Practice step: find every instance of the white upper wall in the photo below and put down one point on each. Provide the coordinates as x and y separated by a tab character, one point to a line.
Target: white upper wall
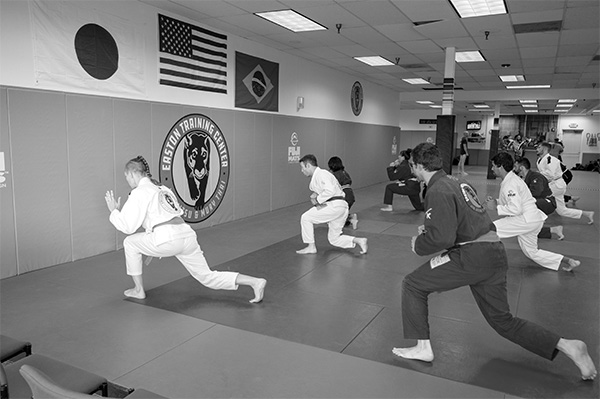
326	91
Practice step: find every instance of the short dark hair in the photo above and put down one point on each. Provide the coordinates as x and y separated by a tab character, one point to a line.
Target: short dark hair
546	145
428	155
335	164
310	159
523	162
406	153
505	160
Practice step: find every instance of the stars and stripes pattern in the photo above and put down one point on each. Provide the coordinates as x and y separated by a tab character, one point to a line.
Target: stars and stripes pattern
191	57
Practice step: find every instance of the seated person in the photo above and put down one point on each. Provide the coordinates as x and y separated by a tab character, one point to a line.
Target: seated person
405	183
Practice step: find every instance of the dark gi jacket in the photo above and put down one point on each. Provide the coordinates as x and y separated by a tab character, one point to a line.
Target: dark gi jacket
453	215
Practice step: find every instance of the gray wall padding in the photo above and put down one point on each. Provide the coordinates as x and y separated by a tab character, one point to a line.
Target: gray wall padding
63	151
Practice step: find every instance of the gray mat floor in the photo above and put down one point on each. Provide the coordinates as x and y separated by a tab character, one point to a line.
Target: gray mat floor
328	321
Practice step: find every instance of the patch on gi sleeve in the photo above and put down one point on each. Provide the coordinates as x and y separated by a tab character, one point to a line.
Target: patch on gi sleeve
470	197
511	193
439	260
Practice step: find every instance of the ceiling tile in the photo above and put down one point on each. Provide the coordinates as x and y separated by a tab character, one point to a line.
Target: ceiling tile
420	46
538	52
400	32
582	18
538	39
376	13
435	10
540	15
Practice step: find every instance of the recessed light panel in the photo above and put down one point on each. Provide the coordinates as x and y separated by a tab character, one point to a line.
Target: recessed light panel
567	101
469	56
374	61
425	102
528	101
291	20
478	8
529	87
416	81
512	78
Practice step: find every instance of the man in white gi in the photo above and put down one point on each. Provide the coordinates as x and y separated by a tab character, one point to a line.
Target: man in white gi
549	166
524	219
329	207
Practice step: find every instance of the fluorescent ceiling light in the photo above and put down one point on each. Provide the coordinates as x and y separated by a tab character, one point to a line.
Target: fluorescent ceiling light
435	106
529	105
529	87
564	105
478	8
291	20
561	110
481	105
374	61
512	78
528	101
595	111
531	110
469	56
567	101
425	102
416	81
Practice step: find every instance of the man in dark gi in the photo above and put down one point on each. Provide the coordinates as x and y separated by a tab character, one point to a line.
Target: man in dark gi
538	186
458	224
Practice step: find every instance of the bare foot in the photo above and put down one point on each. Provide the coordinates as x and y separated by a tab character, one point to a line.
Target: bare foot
259	290
577	351
414	353
572	265
362	243
558	230
590	215
387	208
134	293
311	249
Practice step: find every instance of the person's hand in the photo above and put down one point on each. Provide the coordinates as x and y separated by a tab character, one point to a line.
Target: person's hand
491	204
110	201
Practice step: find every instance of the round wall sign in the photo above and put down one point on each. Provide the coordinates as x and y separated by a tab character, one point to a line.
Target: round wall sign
356	98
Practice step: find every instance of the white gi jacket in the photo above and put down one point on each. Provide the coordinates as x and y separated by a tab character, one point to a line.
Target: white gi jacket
149	205
516	200
325	185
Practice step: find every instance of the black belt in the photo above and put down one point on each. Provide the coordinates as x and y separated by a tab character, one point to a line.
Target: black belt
335	198
176	220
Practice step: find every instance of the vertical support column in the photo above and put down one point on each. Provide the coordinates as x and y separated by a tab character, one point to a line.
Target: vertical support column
494	142
444	136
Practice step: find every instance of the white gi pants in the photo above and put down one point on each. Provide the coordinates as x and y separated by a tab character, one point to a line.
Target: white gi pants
334	214
526	233
185	249
559	188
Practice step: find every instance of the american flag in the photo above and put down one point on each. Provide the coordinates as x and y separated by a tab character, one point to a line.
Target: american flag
191	57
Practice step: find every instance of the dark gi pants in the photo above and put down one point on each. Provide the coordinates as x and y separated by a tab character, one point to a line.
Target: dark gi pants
411	188
482	266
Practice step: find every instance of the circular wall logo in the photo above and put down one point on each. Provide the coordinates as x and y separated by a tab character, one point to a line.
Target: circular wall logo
356	98
194	163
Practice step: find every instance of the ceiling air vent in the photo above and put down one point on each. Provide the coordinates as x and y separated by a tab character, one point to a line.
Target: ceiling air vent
548	26
415	66
417	23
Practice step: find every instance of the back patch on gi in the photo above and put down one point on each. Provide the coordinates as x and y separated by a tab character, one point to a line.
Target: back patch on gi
168	202
471	198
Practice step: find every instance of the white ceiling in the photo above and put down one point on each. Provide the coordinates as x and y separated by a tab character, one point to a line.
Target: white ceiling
567	58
